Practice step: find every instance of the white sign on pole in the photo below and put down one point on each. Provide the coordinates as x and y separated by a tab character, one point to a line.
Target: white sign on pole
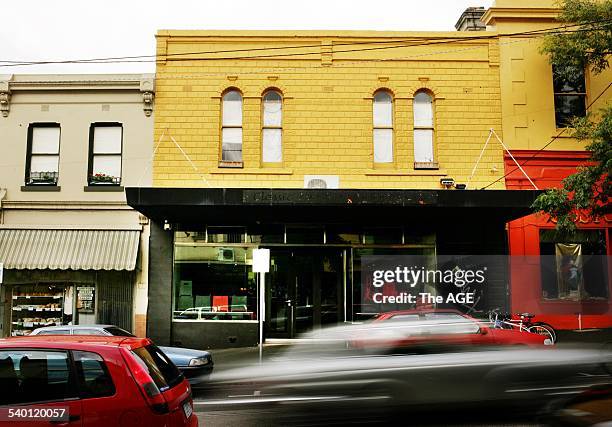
1	271
261	260
261	265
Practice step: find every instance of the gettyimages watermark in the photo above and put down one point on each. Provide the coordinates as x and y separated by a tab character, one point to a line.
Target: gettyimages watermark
406	281
397	282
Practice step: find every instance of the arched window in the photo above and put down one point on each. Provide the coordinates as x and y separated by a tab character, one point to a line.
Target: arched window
383	127
423	131
272	130
231	127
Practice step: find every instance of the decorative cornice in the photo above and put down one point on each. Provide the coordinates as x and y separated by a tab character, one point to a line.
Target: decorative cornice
5	97
14	83
524	13
147	88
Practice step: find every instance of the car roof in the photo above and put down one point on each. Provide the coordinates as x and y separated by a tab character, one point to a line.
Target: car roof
72	342
78	327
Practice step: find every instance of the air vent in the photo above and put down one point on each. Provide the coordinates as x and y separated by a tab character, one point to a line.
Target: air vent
226	254
321	181
317	183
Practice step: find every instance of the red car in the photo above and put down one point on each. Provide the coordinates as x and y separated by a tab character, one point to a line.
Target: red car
451	327
91	381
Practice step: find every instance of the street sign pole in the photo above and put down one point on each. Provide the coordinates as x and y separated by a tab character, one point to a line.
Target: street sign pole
261	265
262	311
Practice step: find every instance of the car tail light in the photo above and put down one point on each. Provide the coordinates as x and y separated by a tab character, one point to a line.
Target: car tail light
147	386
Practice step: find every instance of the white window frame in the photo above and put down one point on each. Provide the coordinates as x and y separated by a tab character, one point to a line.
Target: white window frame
228	126
91	175
34	177
420	164
267	127
378	127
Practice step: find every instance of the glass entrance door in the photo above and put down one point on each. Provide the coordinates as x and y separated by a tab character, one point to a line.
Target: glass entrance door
305	290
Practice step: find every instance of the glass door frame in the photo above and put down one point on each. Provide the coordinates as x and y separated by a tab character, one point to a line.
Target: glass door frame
292	281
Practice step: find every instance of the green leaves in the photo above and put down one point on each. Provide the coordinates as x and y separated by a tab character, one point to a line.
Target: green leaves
588	191
587	45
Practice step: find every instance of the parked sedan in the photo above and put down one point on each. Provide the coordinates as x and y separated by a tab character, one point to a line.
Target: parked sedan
196	365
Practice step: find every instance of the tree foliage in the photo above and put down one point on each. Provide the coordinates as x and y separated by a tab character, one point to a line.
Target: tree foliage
588	191
589	43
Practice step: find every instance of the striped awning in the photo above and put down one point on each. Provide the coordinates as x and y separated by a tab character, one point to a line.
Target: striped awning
23	249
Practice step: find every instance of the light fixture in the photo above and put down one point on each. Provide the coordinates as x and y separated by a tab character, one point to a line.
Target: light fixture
447	182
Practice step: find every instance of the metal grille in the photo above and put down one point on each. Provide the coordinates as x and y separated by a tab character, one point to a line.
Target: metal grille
115	298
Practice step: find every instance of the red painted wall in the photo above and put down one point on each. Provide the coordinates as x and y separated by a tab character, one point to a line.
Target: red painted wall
546	169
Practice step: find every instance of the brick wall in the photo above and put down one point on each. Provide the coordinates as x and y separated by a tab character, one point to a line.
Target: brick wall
327	106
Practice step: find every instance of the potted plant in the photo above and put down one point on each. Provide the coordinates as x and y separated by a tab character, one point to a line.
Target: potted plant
101	178
43	177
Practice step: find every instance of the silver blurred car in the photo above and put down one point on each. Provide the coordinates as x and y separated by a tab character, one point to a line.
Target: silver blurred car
327	377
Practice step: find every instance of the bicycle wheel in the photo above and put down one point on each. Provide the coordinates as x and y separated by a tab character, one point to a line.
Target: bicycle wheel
541	330
549	328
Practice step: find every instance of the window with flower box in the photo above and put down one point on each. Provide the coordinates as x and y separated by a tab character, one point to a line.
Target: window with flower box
42	162
105	150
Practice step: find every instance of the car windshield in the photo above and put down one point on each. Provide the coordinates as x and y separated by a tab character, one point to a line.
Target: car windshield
118	332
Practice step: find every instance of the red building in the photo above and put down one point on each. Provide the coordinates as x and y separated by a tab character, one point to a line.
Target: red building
564	280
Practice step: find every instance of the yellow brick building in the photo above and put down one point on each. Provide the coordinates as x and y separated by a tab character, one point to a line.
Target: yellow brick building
327	81
328	148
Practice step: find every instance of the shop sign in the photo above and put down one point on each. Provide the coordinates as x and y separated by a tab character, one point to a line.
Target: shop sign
86	299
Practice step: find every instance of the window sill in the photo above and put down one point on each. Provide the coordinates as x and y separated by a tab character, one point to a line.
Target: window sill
102	188
262	171
425	172
231	165
41	187
426	165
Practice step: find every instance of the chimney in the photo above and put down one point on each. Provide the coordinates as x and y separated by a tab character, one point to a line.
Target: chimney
470	20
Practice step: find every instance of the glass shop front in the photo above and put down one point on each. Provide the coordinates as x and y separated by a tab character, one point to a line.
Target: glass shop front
314	277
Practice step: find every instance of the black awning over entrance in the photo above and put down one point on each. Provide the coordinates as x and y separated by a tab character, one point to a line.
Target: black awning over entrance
249	205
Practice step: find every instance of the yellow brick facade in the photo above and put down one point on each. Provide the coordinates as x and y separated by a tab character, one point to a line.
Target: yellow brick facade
528	108
327	86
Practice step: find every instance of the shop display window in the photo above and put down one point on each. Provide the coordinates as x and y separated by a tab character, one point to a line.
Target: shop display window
213	283
574	267
35	306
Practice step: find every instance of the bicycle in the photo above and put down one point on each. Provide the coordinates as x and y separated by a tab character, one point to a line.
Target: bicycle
523	323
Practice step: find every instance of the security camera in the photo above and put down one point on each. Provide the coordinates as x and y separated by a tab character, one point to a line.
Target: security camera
447	182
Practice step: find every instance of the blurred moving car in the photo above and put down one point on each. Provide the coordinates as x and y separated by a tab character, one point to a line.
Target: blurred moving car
451	327
196	365
91	381
327	378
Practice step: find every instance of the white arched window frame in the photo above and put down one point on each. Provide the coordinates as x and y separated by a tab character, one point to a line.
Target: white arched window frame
382	111
424	131
231	127
272	127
